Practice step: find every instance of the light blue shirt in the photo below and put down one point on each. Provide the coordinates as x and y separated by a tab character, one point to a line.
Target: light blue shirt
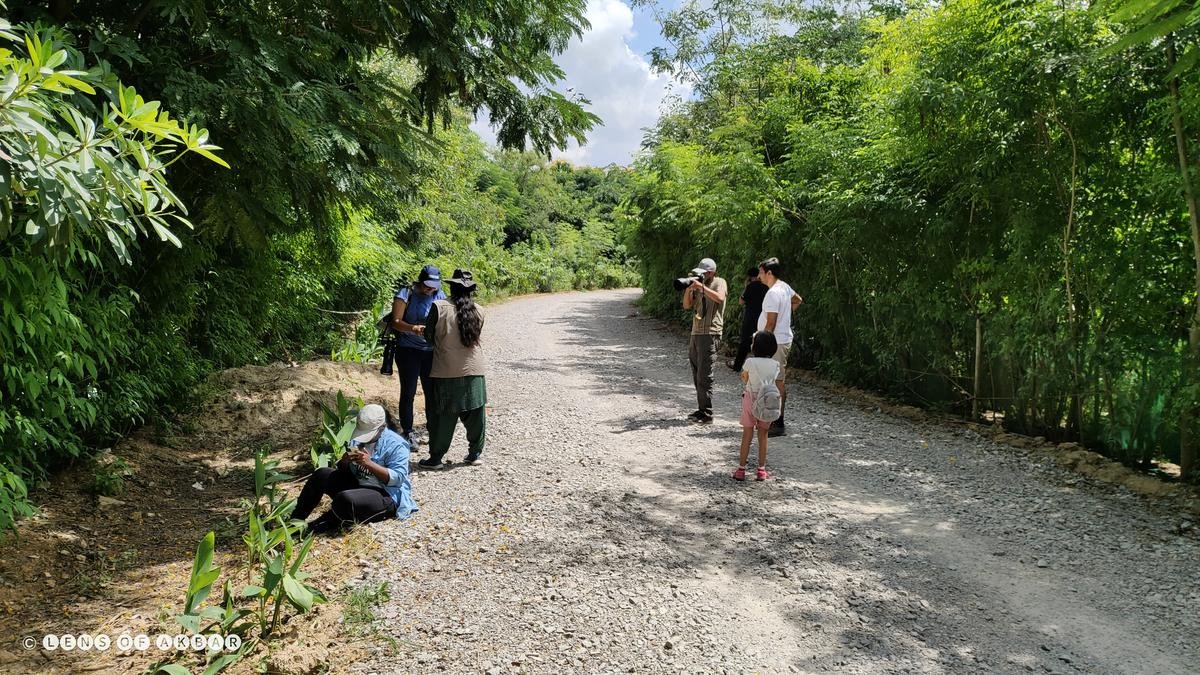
391	451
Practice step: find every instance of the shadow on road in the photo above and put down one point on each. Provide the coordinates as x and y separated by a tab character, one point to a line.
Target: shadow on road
827	571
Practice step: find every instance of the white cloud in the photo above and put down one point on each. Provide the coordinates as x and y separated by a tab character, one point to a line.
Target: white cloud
619	83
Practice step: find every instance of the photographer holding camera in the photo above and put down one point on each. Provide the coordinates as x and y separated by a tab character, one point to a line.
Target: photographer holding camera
704	292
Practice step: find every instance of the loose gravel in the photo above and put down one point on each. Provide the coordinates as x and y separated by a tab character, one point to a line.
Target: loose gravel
604	534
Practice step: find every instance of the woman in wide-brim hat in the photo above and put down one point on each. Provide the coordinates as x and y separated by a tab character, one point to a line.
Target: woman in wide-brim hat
458	388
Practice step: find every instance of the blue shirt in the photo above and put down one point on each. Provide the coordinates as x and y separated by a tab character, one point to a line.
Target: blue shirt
416	309
391	451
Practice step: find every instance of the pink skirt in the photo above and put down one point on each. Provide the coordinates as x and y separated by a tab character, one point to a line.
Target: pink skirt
748	420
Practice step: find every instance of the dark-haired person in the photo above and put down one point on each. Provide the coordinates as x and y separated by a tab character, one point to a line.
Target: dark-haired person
414	356
370	481
761	367
458	390
776	317
751	302
706	296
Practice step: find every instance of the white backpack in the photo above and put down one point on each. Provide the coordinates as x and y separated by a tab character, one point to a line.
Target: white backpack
767	405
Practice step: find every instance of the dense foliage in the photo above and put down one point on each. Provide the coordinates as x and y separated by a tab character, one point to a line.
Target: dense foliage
980	203
131	264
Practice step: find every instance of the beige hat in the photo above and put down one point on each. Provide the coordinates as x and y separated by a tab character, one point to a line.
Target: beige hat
371	420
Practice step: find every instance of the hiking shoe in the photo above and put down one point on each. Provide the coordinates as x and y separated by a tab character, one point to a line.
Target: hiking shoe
696	416
776	431
431	464
472	460
326	523
762	474
739	473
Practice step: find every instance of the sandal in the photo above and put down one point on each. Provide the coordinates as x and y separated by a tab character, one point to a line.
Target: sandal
762	474
740	473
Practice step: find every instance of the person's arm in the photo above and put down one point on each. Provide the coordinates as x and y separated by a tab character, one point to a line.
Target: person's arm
745	374
399	306
397	315
689	297
430	322
714	295
383	473
770	309
391	467
796	300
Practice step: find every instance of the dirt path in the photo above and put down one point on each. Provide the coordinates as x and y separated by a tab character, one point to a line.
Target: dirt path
604	534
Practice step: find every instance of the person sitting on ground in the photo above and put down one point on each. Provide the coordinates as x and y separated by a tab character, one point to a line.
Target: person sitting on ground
759	369
413	355
370	481
458	388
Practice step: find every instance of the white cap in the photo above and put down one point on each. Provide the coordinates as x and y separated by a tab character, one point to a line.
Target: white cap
708	265
371	420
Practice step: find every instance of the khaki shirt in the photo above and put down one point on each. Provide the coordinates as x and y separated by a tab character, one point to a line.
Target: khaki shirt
709	318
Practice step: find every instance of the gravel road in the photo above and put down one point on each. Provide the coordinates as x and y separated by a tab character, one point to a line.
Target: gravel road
605	535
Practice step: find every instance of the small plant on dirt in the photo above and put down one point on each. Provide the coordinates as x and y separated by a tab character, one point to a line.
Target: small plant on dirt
274	558
337	426
267	477
281	579
92	580
223	619
362	347
108	475
359	606
269	506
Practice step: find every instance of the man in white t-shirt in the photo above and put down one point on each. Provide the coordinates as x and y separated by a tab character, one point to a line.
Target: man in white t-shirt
776	317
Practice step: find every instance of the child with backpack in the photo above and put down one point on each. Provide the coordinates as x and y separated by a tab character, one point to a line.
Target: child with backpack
760	401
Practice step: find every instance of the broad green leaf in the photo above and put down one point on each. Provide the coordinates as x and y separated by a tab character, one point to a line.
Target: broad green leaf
297	594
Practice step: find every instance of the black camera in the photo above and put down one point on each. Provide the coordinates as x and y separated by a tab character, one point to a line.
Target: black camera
387	335
683	282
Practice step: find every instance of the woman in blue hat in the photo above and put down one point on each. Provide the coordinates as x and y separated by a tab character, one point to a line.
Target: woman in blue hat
414	356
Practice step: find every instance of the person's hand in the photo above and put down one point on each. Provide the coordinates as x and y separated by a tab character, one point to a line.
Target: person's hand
357	456
418	329
697	286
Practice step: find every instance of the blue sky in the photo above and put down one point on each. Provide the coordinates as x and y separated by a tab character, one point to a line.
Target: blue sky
609	66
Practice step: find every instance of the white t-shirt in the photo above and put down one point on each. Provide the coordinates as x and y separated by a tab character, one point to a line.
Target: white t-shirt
760	369
778	300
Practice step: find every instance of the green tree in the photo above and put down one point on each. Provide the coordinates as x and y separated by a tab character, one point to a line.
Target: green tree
1168	25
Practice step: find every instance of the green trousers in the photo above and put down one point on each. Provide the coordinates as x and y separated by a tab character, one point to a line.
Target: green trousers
440	426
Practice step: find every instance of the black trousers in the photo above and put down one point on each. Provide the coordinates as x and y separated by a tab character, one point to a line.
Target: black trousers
412	364
352	503
745	341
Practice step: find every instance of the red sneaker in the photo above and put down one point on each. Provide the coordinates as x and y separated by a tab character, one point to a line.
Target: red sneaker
740	473
762	474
